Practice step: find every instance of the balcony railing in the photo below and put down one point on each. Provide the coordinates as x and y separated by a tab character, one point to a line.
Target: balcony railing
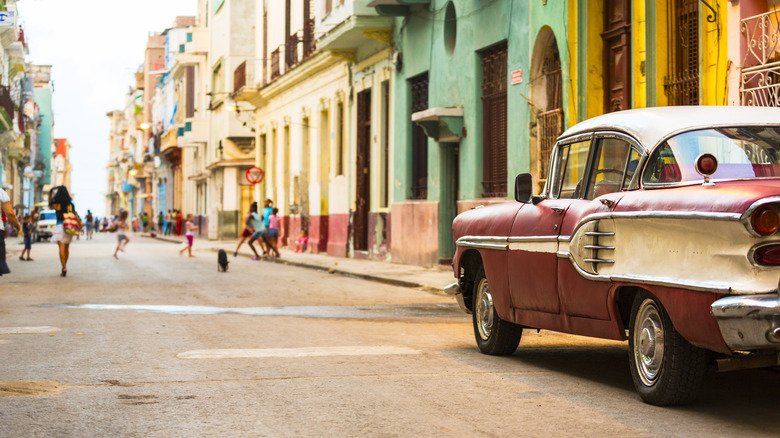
308	39
275	67
760	82
239	77
549	126
291	51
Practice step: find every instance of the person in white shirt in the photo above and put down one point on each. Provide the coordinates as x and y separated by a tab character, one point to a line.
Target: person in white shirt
8	216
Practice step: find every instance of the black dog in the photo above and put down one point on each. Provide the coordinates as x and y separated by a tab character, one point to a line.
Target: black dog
222	261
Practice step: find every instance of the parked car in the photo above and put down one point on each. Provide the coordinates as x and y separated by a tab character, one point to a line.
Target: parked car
43	226
657	226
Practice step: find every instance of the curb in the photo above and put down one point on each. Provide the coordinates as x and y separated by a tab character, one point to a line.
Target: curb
369	277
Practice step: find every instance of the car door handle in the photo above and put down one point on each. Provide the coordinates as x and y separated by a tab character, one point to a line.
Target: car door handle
608	202
557	210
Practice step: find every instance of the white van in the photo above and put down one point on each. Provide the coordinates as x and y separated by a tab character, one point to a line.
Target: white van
47	219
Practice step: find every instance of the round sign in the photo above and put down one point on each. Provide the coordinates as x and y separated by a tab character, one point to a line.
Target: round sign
255	175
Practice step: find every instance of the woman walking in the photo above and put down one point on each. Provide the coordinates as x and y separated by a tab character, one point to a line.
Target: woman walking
121	234
273	231
90	224
189	227
27	228
249	229
7	215
60	200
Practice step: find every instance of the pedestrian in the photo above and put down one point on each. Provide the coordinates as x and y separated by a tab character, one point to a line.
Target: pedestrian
273	231
121	234
249	229
104	226
189	228
145	221
160	222
60	200
267	210
168	223
90	222
260	233
7	215
178	222
27	227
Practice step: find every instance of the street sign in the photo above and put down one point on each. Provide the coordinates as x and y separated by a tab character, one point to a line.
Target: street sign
255	175
517	76
7	19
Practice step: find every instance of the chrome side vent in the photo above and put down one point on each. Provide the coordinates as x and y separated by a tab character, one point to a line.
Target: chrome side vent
602	248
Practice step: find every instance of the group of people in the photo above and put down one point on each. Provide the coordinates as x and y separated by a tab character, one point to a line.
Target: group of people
262	228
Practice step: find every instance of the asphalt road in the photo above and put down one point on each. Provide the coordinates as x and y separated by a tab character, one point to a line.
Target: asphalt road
155	344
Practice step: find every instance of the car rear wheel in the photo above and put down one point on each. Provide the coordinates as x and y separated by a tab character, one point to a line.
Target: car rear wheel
666	369
494	335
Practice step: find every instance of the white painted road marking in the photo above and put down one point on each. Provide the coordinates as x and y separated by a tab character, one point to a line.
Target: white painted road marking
295	352
27	330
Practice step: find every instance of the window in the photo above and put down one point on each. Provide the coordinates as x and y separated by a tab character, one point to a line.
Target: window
494	99
572	162
384	178
340	138
682	84
419	184
609	167
746	152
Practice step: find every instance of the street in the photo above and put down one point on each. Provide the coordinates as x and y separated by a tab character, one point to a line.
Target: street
157	344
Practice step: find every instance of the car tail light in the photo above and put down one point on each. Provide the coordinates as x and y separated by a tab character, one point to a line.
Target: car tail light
768	255
765	220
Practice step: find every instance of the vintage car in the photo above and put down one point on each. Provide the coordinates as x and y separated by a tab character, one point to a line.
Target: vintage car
655	225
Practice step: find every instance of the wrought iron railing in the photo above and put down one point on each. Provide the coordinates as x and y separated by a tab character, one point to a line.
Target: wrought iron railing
6	102
239	77
275	67
308	39
760	81
291	51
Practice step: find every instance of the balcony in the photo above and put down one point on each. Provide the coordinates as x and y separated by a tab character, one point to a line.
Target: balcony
275	67
247	78
352	29
196	47
760	81
395	8
6	109
193	131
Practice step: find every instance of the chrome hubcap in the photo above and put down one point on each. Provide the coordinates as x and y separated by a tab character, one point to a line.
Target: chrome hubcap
648	342
484	310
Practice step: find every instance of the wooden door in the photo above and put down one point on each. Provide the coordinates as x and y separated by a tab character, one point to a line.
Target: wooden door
617	55
363	171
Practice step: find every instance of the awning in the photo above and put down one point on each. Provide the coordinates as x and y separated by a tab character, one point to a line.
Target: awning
445	125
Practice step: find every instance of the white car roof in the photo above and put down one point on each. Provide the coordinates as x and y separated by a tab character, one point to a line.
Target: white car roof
651	125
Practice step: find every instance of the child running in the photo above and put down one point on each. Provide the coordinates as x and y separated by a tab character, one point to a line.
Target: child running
189	227
121	233
27	227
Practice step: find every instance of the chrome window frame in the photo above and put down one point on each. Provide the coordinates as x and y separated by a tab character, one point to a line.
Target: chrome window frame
592	137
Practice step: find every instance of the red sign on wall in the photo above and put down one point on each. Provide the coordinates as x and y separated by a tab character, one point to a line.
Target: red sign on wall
255	175
517	76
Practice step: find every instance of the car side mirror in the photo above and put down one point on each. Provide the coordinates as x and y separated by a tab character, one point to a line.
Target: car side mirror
523	188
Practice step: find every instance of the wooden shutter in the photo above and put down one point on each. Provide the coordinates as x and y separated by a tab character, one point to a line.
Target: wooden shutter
190	78
494	116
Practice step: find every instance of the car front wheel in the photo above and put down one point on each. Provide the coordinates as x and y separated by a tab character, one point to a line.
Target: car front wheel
494	335
666	369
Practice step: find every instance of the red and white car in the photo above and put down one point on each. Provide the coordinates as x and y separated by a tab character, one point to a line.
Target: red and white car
656	225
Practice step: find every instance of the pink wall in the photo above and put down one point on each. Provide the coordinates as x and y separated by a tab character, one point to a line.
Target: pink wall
338	234
415	233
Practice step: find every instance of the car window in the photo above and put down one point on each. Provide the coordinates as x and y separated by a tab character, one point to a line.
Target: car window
572	163
610	161
744	152
48	216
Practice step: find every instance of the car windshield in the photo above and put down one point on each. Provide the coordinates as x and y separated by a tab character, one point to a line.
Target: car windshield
48	216
742	153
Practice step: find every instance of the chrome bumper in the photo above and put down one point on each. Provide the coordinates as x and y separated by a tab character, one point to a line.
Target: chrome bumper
454	289
749	322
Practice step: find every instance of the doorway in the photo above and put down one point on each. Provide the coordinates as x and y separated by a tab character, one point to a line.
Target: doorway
363	171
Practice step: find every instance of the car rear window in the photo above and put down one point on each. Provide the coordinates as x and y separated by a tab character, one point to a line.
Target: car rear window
47	216
742	153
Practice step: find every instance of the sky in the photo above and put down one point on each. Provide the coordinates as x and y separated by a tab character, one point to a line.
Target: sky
94	48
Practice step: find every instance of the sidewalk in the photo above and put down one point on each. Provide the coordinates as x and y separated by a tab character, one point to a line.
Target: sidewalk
431	280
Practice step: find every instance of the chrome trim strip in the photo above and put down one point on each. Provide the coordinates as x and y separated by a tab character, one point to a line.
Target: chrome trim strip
563	255
598	233
520	239
598	261
586	274
696	287
484	242
470	244
597	247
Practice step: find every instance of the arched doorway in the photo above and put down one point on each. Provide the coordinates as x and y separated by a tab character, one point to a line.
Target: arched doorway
547	100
